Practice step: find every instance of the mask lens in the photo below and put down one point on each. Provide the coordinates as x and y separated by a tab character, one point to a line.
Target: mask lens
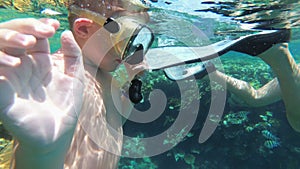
137	55
138	46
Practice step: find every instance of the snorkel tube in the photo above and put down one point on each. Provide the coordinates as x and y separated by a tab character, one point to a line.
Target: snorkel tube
135	89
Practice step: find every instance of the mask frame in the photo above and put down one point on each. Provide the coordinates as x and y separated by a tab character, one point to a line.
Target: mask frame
125	33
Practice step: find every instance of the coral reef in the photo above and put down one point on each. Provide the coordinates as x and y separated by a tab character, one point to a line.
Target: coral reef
134	147
5	137
33	5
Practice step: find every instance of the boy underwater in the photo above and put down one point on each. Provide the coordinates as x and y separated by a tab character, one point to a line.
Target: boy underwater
84	152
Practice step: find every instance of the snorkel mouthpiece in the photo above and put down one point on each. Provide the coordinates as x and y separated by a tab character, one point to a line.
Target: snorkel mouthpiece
135	91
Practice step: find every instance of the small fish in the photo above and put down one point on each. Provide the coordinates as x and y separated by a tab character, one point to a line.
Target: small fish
48	11
270	144
268	135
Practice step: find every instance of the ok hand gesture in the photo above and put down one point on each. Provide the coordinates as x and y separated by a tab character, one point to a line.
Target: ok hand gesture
39	101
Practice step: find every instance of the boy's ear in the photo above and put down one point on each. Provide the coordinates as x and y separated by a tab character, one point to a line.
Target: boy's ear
82	27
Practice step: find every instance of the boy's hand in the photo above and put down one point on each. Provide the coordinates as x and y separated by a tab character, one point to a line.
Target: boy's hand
39	104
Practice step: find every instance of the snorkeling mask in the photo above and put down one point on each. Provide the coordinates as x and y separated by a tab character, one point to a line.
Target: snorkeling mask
130	38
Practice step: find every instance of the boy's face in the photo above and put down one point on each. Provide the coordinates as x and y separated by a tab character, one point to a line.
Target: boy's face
99	50
98	46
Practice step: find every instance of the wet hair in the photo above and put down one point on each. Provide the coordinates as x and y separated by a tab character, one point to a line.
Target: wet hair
102	7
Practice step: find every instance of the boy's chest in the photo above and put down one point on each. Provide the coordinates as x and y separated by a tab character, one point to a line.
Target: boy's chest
110	96
112	103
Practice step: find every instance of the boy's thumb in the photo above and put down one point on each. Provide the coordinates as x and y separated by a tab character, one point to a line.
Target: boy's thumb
72	56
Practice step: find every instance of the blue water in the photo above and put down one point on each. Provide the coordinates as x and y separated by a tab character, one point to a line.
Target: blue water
238	142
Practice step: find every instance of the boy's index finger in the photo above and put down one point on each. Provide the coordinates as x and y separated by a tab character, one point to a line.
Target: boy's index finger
14	39
38	28
51	22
